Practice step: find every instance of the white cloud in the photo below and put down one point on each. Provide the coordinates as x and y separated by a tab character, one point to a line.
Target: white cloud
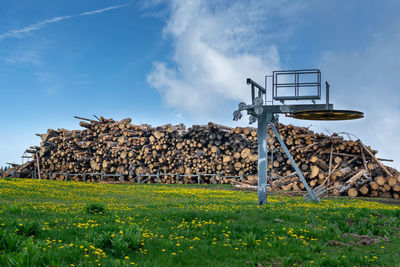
216	47
41	24
367	80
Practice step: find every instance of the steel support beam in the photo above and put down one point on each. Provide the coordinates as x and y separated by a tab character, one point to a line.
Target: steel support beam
310	193
262	131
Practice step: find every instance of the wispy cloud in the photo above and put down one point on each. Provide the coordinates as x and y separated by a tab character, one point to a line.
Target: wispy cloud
41	24
98	11
369	83
366	80
27	56
216	47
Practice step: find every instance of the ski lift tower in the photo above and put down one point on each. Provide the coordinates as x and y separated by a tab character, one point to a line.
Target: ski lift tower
287	85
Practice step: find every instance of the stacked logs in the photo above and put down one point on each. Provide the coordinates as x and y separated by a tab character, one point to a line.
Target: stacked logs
345	167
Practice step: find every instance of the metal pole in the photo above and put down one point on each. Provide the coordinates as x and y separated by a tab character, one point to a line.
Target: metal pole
262	158
252	93
272	156
198	178
38	167
267	173
327	95
310	193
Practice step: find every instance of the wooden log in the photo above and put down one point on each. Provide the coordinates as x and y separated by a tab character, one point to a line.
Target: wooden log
245	153
352	192
372	166
374	193
356	177
337	160
380	180
364	160
391	181
364	190
85	119
113	146
396	188
374	185
314	171
376	160
319	162
385	195
344	171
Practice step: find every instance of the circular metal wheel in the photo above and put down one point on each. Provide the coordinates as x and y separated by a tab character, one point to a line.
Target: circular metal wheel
258	101
258	110
327	115
242	105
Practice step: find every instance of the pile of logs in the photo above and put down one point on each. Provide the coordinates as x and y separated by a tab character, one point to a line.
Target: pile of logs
345	167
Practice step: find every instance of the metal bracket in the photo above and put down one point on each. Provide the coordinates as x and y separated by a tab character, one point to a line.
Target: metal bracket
278	136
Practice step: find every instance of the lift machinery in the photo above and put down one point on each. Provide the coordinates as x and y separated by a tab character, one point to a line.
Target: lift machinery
287	85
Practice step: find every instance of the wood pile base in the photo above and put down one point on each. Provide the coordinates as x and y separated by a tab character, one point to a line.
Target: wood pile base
345	167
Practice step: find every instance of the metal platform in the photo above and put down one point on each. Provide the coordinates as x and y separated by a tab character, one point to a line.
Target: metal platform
327	115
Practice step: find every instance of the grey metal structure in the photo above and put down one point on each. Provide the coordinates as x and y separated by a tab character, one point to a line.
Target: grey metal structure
294	81
267	115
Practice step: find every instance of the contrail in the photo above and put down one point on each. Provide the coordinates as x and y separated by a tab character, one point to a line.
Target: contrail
98	11
41	24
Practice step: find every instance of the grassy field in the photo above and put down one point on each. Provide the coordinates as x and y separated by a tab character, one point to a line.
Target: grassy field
51	223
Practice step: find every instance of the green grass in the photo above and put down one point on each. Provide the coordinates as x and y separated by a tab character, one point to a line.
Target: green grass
51	223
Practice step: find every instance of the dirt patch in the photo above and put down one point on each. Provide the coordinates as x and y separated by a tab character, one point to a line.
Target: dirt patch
359	240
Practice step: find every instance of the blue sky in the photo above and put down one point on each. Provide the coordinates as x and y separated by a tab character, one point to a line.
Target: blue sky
186	61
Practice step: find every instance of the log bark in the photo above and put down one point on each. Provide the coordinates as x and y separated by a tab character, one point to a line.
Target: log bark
109	146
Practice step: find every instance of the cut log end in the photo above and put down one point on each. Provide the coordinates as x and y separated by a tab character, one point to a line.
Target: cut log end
352	192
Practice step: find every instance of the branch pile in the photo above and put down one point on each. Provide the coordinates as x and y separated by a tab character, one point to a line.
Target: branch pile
346	167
